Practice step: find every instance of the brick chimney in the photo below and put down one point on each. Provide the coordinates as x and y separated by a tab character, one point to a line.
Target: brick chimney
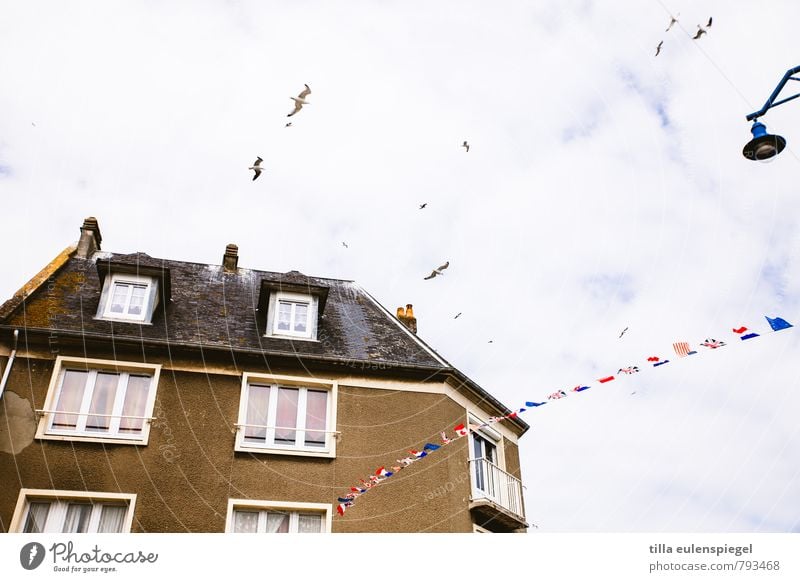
230	259
406	317
90	238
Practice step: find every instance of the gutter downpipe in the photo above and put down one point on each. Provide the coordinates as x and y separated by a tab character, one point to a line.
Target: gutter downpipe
10	362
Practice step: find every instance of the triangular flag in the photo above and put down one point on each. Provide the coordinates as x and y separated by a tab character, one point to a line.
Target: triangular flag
606	379
430	447
534	404
778	323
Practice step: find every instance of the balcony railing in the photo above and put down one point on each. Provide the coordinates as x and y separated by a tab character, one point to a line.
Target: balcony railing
490	482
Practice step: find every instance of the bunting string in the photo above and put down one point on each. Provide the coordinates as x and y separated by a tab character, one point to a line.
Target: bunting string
682	349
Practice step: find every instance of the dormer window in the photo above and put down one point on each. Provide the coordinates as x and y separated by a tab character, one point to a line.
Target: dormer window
294	314
128	297
292	308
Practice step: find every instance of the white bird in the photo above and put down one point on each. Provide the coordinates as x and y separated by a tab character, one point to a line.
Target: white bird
700	32
438	271
256	167
658	48
672	20
300	100
344	244
457	315
423	205
465	145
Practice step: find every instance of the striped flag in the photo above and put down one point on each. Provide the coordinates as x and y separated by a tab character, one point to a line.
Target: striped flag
683	349
445	440
746	336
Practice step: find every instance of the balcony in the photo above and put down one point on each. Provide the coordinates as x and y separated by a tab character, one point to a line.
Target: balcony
496	497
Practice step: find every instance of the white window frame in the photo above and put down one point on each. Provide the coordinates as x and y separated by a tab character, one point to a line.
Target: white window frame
293	507
45	431
61	498
273	315
274	380
496	439
150	297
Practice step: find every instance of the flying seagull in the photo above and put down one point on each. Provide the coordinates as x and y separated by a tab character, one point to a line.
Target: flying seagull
623	332
709	22
465	145
700	32
300	100
437	271
658	48
672	20
288	124
423	205
256	167
344	244
457	315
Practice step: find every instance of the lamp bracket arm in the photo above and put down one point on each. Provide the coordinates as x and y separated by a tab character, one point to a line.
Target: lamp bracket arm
771	101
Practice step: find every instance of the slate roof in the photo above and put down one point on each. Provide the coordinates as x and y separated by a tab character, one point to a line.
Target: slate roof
211	307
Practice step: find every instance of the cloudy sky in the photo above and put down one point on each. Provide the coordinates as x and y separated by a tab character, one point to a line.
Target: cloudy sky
604	189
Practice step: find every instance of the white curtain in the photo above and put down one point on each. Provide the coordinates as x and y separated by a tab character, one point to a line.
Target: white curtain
112	517
310	523
37	517
286	415
245	521
316	417
257	407
77	520
69	400
105	390
135	402
277	522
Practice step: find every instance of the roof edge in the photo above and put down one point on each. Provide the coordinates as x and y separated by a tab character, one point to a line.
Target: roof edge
7	308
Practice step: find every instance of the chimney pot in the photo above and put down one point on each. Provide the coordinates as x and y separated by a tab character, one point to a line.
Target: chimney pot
230	260
406	316
90	238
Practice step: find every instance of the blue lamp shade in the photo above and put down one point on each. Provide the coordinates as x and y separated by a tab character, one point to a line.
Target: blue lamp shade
763	146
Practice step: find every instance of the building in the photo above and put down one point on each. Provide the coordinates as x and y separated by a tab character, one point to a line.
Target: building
150	395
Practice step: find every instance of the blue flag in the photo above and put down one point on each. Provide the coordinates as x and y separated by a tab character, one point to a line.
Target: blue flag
532	404
778	323
430	447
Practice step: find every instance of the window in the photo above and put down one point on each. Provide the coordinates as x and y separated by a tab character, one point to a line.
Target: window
46	511
247	516
99	399
292	315
287	414
128	297
484	453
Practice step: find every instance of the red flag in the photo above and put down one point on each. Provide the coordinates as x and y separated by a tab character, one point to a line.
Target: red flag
460	430
606	379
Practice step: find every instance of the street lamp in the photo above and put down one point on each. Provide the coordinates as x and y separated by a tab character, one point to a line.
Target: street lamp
765	146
